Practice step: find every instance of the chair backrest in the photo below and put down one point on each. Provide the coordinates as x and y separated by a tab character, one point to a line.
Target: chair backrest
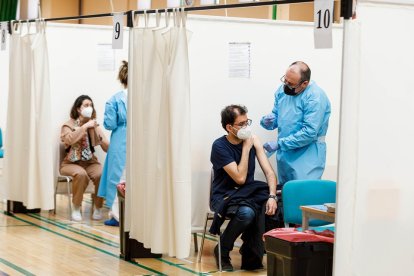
211	188
62	153
296	193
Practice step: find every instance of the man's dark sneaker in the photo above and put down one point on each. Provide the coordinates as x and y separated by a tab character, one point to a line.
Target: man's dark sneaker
225	261
251	262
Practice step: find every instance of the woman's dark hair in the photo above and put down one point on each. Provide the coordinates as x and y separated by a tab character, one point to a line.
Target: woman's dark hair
123	73
74	114
229	114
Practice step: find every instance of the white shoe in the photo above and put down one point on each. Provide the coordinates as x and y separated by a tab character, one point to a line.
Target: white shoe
97	214
76	215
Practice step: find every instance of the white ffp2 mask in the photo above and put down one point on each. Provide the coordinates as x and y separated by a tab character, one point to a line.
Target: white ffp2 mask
244	133
87	112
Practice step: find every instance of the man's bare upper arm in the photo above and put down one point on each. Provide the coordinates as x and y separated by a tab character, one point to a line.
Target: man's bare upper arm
232	170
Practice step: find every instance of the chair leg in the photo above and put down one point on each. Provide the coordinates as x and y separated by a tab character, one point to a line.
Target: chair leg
202	240
93	203
219	250
54	202
69	198
195	242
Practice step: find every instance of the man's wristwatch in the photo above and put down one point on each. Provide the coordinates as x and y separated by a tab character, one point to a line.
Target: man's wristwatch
273	196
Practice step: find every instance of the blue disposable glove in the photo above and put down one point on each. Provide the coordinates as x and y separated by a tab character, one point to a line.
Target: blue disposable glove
271	146
268	120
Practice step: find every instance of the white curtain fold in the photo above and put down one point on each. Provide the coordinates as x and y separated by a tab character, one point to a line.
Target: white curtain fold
158	204
375	214
28	161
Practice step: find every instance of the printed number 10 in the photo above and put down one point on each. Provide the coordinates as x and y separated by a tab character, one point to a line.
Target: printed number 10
326	18
117	30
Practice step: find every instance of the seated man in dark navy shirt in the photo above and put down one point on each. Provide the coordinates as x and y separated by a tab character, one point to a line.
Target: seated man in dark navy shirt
235	193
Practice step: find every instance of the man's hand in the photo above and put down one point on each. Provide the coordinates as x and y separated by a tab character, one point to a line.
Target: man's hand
271	146
268	120
248	143
271	206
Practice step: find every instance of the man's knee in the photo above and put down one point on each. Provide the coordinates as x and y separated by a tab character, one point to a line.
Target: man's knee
245	214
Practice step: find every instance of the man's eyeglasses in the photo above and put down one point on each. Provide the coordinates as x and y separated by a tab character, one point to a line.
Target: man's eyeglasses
245	123
282	79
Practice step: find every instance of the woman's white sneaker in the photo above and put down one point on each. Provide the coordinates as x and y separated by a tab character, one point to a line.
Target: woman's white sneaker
97	214
76	215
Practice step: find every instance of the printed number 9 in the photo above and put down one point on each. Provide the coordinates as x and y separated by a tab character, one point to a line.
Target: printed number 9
117	30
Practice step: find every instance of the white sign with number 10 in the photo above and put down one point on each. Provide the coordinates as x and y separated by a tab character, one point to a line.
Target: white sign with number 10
118	31
323	17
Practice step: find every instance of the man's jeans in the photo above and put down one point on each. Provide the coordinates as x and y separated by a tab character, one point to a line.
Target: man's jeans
237	225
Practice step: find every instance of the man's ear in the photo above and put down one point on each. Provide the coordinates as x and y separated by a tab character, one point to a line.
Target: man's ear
228	128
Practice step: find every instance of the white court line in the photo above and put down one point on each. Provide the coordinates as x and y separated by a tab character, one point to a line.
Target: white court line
101	231
186	261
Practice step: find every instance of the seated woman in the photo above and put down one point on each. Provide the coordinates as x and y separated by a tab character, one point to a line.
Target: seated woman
80	134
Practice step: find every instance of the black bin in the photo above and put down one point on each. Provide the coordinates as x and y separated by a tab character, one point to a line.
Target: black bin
286	258
130	248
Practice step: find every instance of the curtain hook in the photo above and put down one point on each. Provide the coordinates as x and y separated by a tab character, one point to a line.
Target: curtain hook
183	17
28	25
135	19
167	18
12	26
175	17
157	18
37	24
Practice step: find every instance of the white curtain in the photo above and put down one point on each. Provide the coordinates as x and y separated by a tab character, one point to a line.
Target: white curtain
28	161
158	195
375	215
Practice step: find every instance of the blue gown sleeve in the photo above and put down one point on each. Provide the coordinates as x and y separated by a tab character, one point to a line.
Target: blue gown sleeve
275	113
110	116
313	115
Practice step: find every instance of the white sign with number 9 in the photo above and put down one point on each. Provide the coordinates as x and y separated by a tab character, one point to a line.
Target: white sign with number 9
118	31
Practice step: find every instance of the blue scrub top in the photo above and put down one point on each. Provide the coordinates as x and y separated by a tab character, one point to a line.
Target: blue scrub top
302	122
115	119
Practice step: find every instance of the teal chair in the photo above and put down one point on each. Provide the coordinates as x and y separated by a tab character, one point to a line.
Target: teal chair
296	193
1	145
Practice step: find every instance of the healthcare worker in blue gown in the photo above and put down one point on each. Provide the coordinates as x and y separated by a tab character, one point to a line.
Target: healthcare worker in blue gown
301	114
115	119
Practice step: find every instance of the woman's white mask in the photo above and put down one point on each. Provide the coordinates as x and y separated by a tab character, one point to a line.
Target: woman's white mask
87	112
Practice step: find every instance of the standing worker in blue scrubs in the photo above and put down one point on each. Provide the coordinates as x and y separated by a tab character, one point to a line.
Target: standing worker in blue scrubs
115	119
301	114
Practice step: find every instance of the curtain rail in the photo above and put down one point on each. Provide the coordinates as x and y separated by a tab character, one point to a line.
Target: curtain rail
198	8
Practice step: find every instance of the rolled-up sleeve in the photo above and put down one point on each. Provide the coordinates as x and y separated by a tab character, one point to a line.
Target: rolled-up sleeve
68	136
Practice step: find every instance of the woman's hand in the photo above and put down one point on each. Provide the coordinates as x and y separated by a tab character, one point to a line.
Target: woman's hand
90	124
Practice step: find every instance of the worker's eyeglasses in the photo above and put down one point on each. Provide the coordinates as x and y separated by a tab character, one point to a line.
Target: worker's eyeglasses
245	123
282	79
